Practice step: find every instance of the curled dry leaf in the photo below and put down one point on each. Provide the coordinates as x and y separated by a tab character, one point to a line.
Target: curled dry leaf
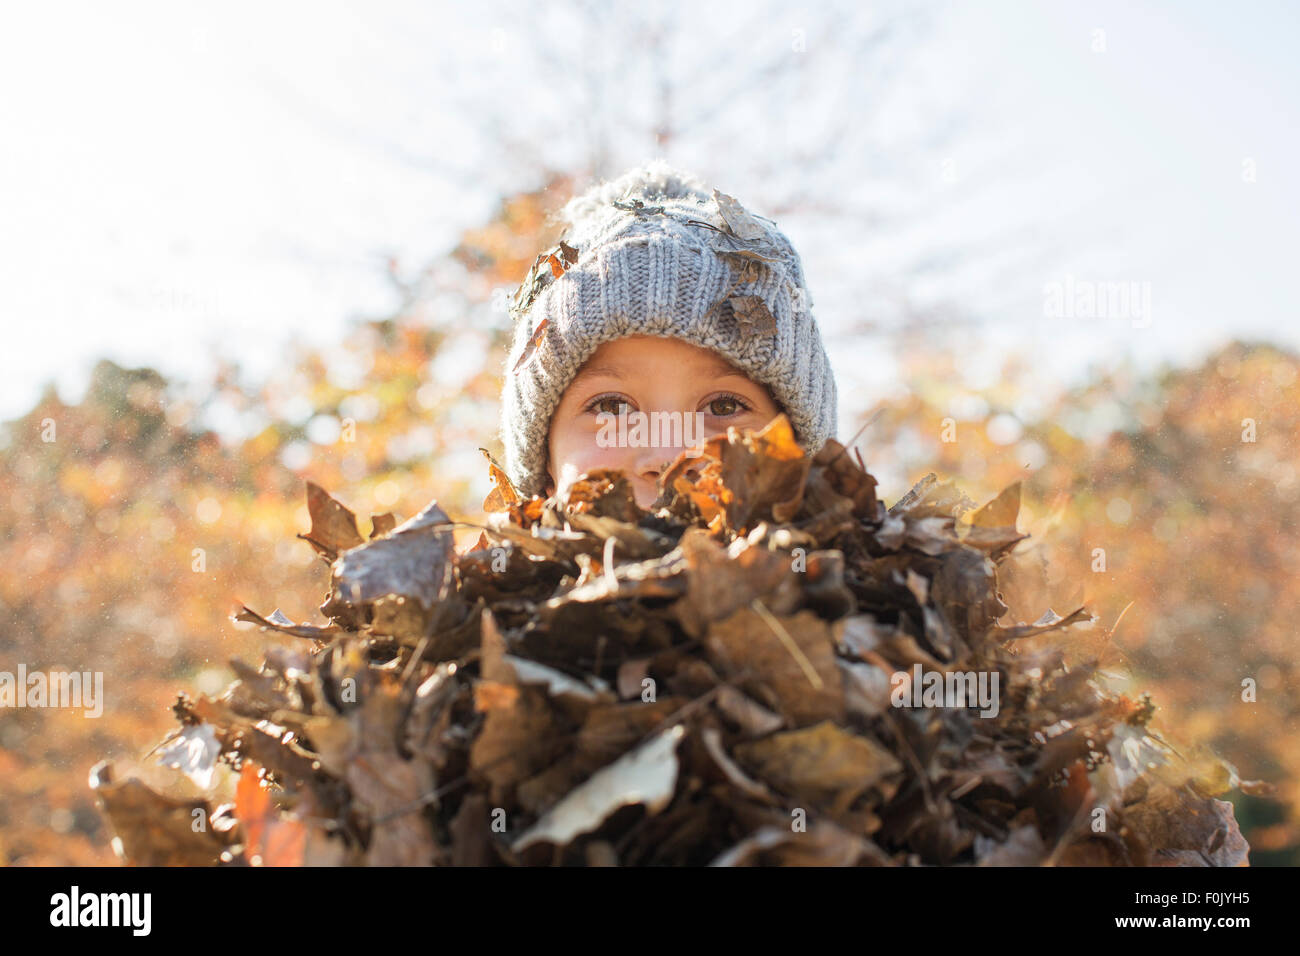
409	569
503	493
646	775
534	340
546	268
333	526
194	752
279	622
739	222
152	829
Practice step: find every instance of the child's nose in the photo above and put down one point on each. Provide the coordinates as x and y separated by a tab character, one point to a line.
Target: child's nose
650	464
650	470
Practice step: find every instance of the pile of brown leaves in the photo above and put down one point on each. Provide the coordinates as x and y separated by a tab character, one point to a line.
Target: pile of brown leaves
705	682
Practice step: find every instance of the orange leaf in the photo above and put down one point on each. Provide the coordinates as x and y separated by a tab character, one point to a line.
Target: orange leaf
533	342
503	494
490	695
269	840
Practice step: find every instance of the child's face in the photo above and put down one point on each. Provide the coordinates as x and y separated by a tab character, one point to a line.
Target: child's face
649	374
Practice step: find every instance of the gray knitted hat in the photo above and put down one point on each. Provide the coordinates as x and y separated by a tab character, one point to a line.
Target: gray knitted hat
656	252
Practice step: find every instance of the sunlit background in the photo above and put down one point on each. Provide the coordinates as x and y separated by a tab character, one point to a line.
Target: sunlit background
248	245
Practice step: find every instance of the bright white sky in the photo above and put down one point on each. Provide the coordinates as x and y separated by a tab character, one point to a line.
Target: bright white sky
177	182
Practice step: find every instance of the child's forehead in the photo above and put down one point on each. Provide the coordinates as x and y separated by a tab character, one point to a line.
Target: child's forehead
626	357
713	366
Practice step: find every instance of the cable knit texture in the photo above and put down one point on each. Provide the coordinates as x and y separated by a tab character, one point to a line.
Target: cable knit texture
658	254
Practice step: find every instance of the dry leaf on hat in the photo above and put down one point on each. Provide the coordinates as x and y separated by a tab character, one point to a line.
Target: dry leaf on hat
561	258
739	222
533	341
753	314
637	206
546	268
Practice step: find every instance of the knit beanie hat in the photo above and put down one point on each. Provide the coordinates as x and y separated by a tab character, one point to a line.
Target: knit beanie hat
656	252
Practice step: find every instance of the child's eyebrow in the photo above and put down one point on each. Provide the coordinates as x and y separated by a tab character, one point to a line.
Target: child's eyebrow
715	369
593	370
718	368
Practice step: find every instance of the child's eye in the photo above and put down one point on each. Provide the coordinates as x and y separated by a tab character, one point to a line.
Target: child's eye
612	404
726	405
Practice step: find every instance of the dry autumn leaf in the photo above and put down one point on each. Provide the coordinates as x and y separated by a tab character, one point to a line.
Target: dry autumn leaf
533	342
503	493
739	222
333	526
753	315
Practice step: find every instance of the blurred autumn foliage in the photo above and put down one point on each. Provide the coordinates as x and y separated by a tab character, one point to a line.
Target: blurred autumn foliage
131	531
